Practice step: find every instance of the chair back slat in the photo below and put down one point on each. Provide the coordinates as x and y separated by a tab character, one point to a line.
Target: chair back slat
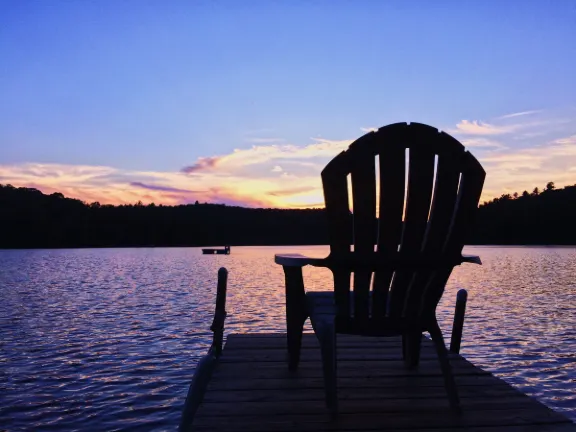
392	165
445	194
340	229
443	202
418	196
471	184
364	200
469	191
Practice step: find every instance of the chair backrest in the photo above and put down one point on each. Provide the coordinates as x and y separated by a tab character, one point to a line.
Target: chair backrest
429	188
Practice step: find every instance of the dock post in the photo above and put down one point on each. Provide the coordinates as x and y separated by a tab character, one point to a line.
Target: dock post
206	365
458	324
220	312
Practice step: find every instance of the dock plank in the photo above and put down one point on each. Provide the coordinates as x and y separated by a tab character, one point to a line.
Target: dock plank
358	393
380	421
251	389
360	368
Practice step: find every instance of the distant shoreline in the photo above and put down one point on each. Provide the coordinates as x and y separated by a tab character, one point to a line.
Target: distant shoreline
271	246
32	220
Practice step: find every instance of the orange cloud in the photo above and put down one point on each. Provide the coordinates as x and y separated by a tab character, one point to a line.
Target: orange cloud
292	191
109	185
287	175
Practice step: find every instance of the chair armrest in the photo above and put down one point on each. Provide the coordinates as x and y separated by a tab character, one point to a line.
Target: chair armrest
298	260
474	259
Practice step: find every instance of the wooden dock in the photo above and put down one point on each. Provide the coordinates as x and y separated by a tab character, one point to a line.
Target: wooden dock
251	389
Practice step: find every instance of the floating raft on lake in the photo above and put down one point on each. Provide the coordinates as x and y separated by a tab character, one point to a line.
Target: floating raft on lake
251	389
216	251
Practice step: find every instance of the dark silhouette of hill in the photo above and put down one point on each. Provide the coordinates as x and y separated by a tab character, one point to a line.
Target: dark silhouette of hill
546	217
31	219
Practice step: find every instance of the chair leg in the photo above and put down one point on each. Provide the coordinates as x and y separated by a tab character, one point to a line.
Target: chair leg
326	334
445	366
296	314
411	343
295	328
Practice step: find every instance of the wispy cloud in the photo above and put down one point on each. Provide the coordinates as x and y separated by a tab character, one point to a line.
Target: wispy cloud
522	150
257	140
288	175
481	142
268	154
368	129
160	188
291	191
201	164
501	125
476	127
247	176
515	170
109	185
519	114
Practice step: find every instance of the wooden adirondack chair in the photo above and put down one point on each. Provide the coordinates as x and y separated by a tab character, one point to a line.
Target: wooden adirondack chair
418	237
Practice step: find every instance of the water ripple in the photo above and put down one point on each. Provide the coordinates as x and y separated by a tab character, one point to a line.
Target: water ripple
108	339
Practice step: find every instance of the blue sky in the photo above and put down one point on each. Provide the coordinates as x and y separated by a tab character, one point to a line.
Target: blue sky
100	96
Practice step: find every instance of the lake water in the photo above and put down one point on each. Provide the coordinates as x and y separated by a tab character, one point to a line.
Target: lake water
107	339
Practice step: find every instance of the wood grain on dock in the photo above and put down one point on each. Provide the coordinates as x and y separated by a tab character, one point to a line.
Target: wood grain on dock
252	390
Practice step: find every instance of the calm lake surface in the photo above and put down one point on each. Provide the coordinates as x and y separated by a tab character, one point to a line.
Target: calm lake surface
107	339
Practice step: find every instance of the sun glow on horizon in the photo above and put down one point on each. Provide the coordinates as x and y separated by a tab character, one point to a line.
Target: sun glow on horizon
282	175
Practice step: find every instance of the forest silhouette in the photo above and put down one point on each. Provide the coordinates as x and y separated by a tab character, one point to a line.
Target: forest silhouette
31	219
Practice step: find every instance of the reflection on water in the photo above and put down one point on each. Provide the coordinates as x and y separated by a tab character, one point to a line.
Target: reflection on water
108	339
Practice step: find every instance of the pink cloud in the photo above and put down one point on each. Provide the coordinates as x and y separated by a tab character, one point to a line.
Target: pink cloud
159	188
288	176
202	164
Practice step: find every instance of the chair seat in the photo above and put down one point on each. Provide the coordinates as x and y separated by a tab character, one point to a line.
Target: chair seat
321	302
322	311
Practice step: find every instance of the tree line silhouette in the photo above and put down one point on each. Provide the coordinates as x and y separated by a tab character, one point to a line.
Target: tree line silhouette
31	219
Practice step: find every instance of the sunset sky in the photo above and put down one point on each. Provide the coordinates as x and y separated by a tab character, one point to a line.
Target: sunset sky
244	102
